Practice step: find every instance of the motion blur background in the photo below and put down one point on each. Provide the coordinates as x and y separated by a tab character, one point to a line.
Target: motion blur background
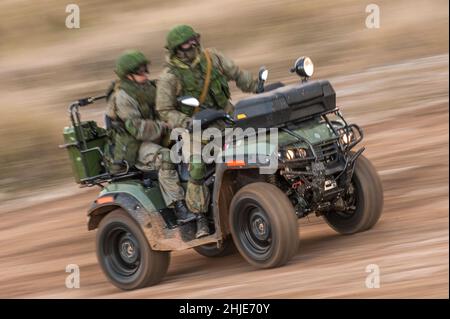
393	81
44	65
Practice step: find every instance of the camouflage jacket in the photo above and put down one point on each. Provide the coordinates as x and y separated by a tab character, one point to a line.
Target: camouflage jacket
170	85
132	123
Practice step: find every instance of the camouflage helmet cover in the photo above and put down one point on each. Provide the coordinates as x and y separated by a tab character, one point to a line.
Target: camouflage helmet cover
178	35
130	61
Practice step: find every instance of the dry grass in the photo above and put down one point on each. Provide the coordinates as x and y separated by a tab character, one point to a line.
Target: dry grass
30	152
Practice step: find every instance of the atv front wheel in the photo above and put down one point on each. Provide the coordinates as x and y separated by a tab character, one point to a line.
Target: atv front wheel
264	225
366	199
211	250
125	255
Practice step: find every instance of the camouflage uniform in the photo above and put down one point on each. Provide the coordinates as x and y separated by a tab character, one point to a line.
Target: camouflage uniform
181	78
147	133
171	86
137	132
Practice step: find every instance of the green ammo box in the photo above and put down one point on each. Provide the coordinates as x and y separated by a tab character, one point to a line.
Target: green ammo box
86	158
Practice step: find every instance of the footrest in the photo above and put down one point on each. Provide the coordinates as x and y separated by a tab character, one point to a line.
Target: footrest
169	217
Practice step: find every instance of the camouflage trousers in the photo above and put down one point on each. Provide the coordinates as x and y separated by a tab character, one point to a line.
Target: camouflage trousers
197	193
197	197
155	157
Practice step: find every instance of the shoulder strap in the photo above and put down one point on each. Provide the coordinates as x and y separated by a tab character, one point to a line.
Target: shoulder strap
207	78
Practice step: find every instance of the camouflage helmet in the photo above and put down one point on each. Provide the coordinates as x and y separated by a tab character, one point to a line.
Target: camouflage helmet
178	35
129	61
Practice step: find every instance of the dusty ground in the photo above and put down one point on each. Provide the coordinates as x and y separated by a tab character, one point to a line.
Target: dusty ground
403	108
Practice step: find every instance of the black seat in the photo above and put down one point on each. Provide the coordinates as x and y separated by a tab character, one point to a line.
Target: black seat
151	174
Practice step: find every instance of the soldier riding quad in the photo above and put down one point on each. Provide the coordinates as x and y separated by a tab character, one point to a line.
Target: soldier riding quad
318	171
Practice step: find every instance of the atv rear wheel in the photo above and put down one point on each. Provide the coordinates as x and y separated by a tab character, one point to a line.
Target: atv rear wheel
264	225
125	255
367	199
211	250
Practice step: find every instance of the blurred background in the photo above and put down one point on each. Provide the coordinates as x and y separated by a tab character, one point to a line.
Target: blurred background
44	65
392	80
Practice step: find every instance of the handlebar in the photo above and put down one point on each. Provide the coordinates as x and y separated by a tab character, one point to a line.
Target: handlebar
85	101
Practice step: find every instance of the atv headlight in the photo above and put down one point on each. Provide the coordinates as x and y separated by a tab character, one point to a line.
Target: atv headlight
290	154
303	66
294	153
301	152
344	137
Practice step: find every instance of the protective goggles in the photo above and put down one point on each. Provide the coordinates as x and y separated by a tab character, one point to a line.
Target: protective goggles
186	46
141	70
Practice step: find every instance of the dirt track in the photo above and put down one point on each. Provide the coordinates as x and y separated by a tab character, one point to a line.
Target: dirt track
404	111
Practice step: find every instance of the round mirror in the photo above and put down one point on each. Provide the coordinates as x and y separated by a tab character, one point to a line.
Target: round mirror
263	74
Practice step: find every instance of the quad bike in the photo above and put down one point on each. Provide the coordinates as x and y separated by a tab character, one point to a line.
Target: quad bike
319	171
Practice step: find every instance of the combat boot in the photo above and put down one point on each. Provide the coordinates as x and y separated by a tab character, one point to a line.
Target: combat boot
202	227
182	213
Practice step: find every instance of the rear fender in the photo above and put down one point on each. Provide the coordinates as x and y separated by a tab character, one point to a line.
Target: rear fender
151	222
144	205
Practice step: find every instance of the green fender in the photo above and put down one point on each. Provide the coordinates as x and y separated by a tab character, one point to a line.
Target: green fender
144	205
